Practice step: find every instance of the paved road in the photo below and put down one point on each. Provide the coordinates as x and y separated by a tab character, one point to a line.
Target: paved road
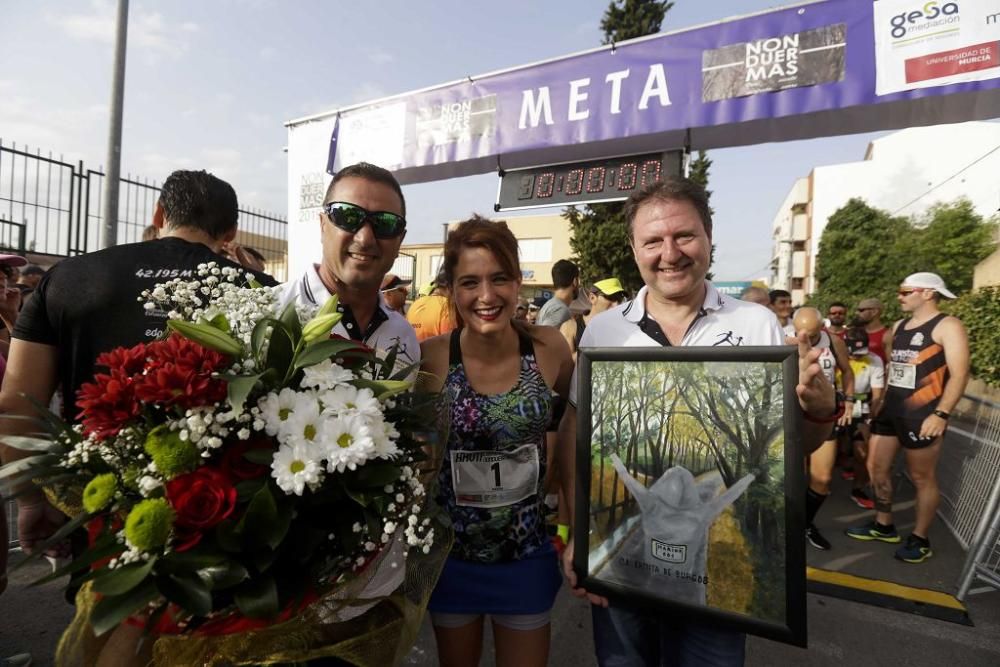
840	633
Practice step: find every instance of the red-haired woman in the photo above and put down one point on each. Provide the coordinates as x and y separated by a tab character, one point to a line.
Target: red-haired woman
502	378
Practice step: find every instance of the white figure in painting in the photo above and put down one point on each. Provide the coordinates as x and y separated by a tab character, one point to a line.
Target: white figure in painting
676	513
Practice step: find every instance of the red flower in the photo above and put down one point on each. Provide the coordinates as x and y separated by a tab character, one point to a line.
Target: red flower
235	464
128	360
107	404
179	372
201	500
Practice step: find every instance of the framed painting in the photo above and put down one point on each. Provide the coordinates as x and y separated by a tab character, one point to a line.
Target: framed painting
691	485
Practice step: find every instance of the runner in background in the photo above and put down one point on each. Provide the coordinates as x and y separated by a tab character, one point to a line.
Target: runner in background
836	317
869	385
603	294
870	314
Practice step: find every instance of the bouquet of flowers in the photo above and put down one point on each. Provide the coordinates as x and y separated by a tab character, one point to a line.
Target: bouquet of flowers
249	484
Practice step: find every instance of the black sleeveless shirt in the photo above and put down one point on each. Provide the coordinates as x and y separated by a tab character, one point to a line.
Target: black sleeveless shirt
917	371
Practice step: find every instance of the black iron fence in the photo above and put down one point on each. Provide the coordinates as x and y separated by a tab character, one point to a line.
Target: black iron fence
52	207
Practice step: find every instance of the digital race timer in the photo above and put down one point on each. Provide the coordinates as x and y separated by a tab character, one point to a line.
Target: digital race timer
584	182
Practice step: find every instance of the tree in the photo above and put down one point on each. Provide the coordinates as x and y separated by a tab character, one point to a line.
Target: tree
627	19
699	174
861	255
599	233
952	239
866	252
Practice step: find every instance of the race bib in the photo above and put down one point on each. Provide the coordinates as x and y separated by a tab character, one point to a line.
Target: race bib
494	479
903	376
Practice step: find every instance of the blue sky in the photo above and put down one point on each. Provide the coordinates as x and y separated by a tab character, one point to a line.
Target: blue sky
210	85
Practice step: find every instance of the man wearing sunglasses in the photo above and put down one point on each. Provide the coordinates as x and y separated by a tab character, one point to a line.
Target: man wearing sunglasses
870	314
927	373
362	224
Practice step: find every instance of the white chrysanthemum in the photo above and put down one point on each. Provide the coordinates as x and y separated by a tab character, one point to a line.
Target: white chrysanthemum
305	425
348	443
325	375
293	467
384	435
349	400
277	409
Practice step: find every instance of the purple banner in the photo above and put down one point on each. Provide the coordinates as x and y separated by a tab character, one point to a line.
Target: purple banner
785	74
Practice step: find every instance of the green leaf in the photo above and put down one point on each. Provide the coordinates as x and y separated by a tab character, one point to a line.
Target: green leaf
260	456
194	559
221	323
290	318
325	349
28	444
104	547
224	575
405	372
258	598
382	388
377	475
263	559
207	336
227	534
247	488
113	609
187	590
238	389
252	282
279	351
257	524
123	579
259	335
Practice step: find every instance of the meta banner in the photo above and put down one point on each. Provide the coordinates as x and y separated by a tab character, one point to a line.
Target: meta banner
922	44
779	75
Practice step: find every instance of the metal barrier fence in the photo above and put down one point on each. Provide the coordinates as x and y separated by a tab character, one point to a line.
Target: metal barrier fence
969	477
52	207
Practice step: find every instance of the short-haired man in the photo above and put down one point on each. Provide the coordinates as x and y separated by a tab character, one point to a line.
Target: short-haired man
394	291
89	304
870	314
670	231
836	315
566	281
30	276
362	224
755	294
781	305
927	374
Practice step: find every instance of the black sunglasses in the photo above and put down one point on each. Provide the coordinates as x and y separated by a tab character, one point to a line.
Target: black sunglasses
351	218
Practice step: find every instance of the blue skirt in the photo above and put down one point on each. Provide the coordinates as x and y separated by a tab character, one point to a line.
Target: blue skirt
526	586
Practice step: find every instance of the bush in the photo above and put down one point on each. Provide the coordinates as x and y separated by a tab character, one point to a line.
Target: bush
980	313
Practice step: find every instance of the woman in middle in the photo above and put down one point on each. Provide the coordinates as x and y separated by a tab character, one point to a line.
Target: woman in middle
501	378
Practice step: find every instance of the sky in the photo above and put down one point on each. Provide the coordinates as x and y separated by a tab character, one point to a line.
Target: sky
210	85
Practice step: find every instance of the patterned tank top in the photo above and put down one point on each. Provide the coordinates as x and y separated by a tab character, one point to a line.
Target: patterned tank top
917	371
496	423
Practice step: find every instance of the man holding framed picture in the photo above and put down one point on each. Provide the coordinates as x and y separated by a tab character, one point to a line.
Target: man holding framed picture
670	231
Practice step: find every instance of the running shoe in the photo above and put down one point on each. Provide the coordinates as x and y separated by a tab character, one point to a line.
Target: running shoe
862	499
816	538
873	531
915	550
847	474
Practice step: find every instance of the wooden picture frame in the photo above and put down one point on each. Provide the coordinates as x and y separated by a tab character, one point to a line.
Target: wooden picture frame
691	485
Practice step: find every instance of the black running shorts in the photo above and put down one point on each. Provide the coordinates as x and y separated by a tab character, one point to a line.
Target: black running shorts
907	431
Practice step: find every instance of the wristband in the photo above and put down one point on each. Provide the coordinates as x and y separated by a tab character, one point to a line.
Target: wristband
942	414
562	530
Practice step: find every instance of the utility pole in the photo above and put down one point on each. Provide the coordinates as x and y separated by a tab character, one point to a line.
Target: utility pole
113	165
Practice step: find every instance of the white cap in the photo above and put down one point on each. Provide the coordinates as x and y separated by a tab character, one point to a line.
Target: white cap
927	280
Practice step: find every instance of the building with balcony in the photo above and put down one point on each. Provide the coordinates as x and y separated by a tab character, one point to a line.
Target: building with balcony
904	173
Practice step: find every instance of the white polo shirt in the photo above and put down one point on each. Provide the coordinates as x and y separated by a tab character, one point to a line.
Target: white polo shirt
386	329
721	321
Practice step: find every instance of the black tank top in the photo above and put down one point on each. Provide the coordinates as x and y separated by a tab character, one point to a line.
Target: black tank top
580	326
917	371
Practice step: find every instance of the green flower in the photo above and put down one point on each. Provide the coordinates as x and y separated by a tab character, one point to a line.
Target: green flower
319	327
99	492
147	526
171	455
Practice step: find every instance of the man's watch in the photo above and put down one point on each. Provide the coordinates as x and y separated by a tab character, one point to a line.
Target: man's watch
942	414
838	412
